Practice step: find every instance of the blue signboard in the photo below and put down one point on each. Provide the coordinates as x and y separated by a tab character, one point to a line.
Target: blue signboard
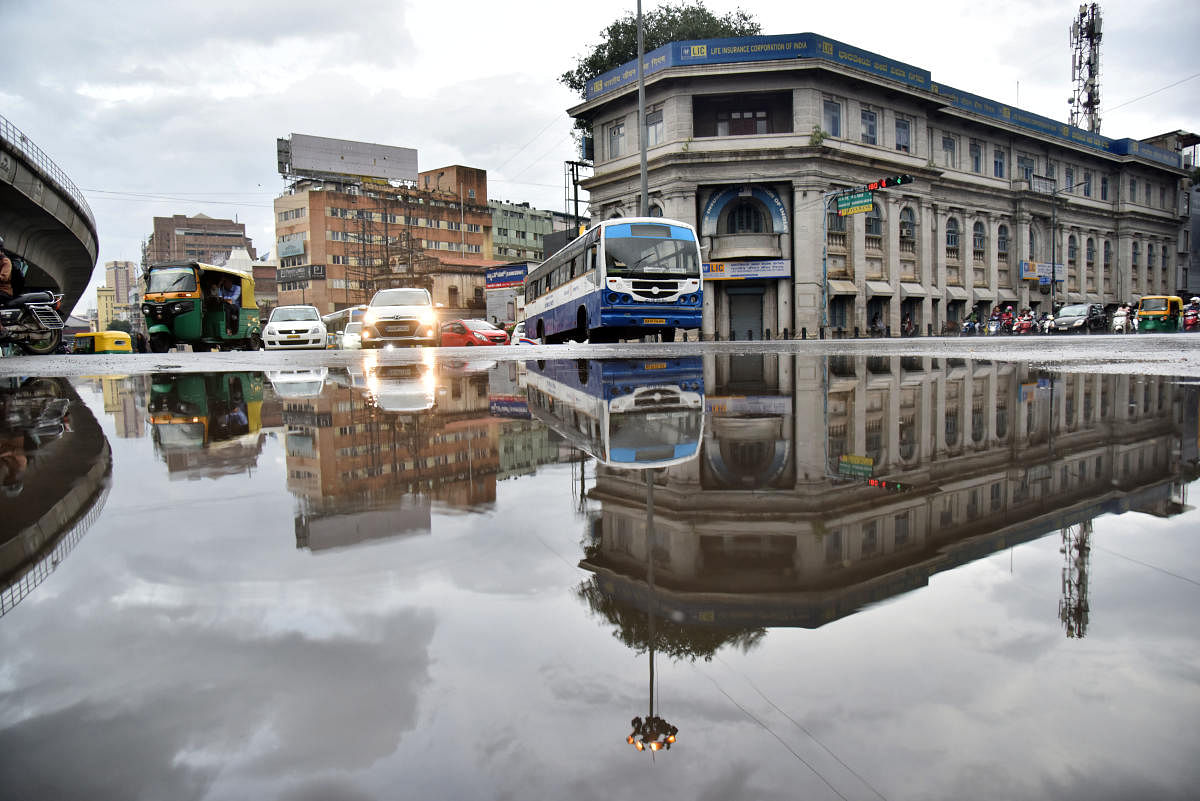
509	276
766	196
811	45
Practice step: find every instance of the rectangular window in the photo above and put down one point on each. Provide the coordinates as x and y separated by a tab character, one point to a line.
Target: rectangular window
903	136
1104	187
900	529
654	126
1162	197
832	117
616	139
1069	182
1026	166
998	163
742	114
869	129
976	157
1087	183
1148	201
950	152
1133	190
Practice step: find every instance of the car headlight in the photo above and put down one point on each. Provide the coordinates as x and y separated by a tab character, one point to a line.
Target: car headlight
269	330
428	317
369	317
316	329
1079	322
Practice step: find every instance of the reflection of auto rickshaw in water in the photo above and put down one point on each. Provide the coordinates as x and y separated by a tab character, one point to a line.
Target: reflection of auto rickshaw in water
183	305
103	342
1159	313
191	413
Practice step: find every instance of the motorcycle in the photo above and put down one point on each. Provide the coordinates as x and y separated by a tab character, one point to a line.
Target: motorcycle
1191	320
31	322
1025	325
970	328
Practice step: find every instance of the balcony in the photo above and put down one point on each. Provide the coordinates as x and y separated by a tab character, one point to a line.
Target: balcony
741	246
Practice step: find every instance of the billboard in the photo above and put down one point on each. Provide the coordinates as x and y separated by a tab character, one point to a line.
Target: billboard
302	154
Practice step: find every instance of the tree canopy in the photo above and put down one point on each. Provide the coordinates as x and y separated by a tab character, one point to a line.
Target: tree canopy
675	22
120	325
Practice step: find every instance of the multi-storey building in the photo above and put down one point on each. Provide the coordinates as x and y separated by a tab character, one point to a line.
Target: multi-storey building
106	307
199	238
121	277
823	486
749	140
518	230
341	239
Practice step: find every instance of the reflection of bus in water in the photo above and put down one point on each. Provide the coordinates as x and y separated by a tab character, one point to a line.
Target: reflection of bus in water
632	413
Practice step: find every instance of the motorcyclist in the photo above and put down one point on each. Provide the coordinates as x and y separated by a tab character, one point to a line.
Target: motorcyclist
6	275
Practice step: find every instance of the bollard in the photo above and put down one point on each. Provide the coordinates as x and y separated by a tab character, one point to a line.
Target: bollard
887	332
856	333
749	335
767	333
929	330
821	332
804	333
785	334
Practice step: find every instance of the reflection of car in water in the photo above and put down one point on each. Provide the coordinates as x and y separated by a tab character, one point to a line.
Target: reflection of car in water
633	413
207	423
306	383
396	387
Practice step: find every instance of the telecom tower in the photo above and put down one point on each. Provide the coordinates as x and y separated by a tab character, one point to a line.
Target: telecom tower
1085	68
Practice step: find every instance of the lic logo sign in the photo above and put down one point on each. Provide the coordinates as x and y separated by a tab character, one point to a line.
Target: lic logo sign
698	51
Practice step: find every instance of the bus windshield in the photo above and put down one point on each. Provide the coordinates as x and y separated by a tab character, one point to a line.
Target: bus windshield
172	279
650	437
646	252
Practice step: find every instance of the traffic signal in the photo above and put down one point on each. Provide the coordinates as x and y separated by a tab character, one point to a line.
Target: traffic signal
889	182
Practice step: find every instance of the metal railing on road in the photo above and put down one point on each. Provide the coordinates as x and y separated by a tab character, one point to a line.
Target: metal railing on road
38	159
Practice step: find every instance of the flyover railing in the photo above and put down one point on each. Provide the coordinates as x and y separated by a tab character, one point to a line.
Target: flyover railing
38	159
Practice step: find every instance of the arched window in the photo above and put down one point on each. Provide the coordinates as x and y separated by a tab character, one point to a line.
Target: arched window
656	210
1091	253
952	236
1072	249
1002	243
1137	252
745	218
1107	255
1032	244
834	222
1150	256
908	224
978	240
874	222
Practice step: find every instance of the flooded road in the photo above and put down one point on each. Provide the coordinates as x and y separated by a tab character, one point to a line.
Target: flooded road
720	575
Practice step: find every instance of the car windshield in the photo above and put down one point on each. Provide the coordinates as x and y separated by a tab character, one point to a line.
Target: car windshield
401	297
480	325
1073	311
354	328
172	279
294	313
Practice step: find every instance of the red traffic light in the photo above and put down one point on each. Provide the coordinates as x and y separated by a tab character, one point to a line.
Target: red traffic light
890	181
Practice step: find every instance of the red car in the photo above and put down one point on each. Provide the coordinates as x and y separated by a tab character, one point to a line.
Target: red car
471	332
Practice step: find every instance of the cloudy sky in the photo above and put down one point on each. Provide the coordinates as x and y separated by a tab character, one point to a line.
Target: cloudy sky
155	111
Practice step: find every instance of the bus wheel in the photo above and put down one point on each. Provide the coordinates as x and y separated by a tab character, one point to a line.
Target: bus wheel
160	343
541	331
581	326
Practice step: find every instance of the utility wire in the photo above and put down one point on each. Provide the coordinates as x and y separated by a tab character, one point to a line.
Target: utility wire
1146	564
804	729
771	732
1156	91
527	144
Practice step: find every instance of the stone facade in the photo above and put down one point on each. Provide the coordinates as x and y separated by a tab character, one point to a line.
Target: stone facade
751	152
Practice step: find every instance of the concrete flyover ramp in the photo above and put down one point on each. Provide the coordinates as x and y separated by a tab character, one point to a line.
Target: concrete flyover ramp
44	218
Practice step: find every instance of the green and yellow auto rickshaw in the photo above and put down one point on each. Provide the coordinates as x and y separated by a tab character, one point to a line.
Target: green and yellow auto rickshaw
1159	313
103	342
206	423
186	303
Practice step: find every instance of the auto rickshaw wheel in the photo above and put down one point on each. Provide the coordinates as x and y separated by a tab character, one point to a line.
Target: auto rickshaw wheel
160	342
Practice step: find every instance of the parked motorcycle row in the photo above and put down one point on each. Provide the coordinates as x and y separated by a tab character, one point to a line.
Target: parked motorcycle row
1074	318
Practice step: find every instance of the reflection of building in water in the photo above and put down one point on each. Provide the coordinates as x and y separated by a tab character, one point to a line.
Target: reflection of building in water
992	454
125	400
55	465
362	472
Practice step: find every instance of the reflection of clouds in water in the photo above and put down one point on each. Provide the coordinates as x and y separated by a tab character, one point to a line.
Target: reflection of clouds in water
258	706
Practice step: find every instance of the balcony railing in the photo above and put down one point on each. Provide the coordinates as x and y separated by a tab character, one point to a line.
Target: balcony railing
43	164
908	245
874	243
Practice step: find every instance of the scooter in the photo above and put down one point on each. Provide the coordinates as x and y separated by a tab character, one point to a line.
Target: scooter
1121	323
995	327
970	328
1025	325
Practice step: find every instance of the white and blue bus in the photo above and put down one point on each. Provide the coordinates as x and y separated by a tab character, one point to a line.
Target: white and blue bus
628	413
624	278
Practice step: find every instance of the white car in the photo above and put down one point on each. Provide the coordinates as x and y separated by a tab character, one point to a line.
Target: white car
294	327
400	316
351	338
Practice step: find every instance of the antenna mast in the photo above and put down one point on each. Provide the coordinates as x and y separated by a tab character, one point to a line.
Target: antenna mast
1085	68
